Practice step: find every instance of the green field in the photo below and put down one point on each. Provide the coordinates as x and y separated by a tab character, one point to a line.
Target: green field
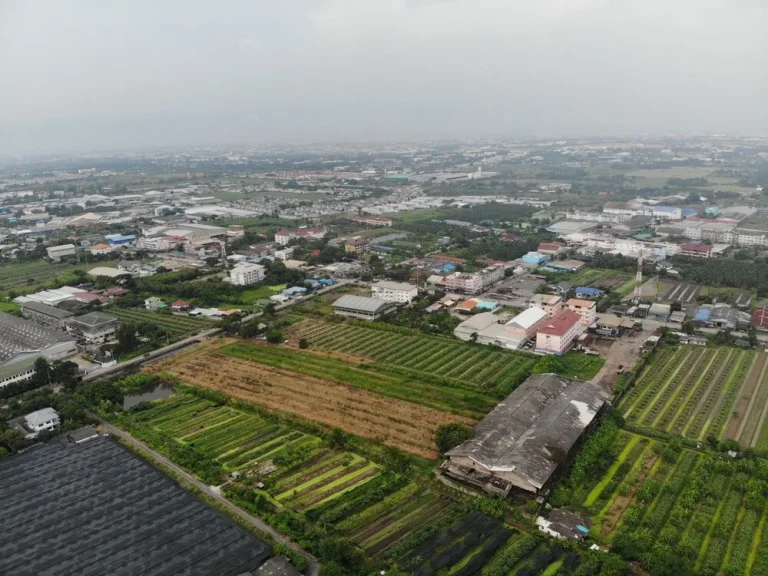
25	277
701	392
388	516
653	501
177	326
485	369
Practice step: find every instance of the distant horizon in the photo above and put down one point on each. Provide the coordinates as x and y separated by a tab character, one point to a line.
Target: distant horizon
86	76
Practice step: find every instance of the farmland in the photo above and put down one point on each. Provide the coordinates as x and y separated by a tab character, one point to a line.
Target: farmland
177	326
654	501
701	392
485	369
391	518
23	277
363	402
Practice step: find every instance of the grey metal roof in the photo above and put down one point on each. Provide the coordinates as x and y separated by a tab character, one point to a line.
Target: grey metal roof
277	566
361	303
96	508
94	319
21	335
41	308
41	416
531	432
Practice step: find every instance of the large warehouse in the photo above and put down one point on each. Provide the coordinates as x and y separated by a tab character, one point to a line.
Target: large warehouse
95	508
529	436
23	341
362	308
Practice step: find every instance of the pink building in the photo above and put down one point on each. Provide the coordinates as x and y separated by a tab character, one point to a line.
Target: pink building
556	335
584	308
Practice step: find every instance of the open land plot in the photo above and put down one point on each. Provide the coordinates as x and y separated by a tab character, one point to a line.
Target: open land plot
698	392
692	503
177	326
387	515
387	420
487	370
682	292
28	276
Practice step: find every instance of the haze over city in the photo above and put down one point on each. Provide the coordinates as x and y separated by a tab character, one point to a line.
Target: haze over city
82	76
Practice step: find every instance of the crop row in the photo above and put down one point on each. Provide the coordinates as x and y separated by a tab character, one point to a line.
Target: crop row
651	373
698	420
734	385
676	399
652	386
685	409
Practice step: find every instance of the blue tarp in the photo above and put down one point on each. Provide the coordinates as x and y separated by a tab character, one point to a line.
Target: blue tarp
588	292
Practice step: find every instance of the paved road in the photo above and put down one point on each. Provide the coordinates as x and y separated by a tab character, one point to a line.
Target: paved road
188	478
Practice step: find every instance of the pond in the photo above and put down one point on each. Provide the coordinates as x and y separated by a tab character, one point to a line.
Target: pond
159	392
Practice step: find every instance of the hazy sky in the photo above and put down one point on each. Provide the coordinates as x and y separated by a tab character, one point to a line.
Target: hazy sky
90	75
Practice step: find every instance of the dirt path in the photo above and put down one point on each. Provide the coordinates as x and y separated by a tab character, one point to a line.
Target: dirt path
623	351
746	401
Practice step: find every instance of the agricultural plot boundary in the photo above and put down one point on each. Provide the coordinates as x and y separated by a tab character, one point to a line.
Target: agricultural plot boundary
177	326
387	515
700	392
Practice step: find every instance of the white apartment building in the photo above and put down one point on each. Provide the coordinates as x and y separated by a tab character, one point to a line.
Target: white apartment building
587	309
551	304
245	273
394	291
284	254
156	244
282	237
463	282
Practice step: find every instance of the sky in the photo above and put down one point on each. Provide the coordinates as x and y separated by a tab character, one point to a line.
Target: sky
123	74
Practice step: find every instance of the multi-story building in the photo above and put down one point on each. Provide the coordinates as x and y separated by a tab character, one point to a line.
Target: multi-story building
394	291
245	273
550	303
463	282
94	327
357	245
586	309
696	250
372	220
556	335
101	248
282	237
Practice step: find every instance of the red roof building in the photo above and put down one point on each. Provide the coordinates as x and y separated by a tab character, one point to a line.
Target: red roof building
450	259
180	305
760	318
556	336
115	292
509	238
696	250
550	248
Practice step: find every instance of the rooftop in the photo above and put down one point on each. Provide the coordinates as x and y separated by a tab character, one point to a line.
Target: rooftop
534	427
94	319
19	335
388	285
528	318
581	303
361	303
560	323
41	308
96	508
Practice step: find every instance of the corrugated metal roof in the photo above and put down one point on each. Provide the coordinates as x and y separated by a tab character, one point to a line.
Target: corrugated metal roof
20	335
528	318
361	303
534	427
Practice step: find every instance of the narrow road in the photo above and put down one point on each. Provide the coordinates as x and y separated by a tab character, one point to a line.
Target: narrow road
314	566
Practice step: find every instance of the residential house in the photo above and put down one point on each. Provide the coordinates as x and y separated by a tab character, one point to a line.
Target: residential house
94	327
154	303
394	291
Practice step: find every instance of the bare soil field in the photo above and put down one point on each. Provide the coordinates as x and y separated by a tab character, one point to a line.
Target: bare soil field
386	420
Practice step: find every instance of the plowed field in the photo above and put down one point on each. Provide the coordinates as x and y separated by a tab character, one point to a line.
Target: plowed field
390	421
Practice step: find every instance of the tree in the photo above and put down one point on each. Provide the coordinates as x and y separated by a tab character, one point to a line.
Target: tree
303	343
275	335
448	436
126	338
473	337
688	327
752	336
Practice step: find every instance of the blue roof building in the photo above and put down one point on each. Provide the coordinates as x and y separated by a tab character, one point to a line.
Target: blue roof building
294	290
119	239
535	258
448	267
701	316
587	292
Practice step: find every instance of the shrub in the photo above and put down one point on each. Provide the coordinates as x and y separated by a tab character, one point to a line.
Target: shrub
450	435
